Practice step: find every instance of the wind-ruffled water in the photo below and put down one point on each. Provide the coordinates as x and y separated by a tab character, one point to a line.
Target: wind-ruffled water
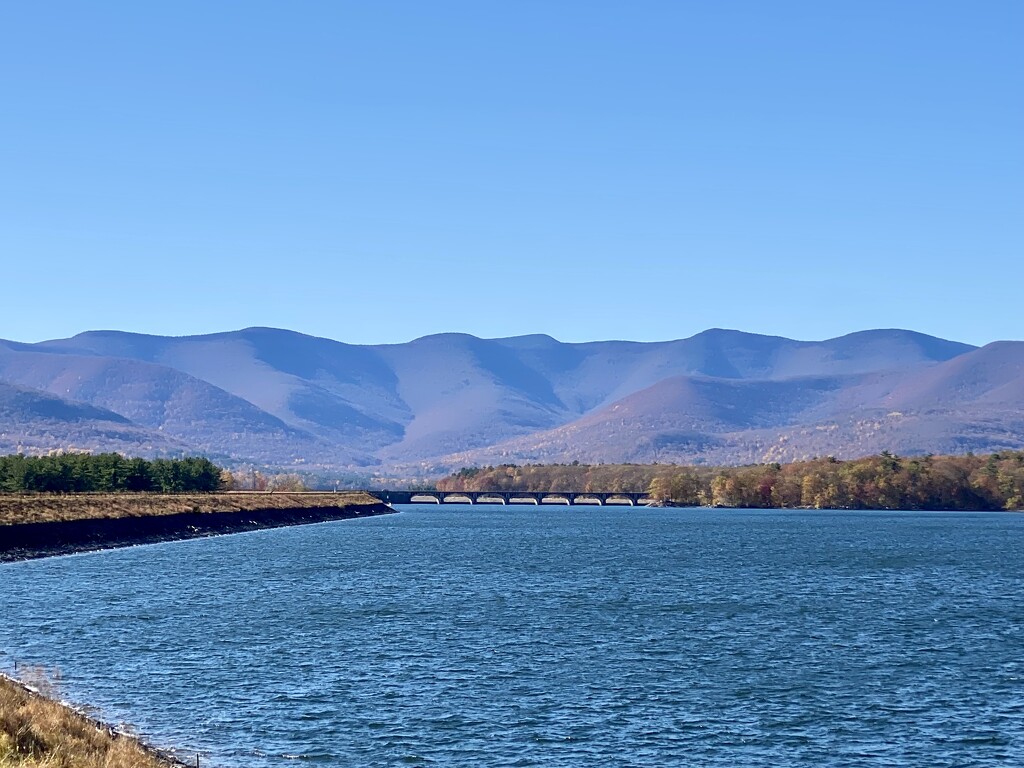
580	636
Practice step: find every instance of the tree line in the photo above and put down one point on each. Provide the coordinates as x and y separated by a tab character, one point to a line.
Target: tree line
254	480
886	481
106	473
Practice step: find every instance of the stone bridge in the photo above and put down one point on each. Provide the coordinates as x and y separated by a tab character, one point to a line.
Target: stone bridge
512	497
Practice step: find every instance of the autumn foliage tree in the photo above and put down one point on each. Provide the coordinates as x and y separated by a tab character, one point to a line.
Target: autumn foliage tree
884	481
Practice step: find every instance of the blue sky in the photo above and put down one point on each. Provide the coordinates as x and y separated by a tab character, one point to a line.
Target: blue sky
377	171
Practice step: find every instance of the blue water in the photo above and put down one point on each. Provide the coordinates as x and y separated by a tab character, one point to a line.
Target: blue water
490	636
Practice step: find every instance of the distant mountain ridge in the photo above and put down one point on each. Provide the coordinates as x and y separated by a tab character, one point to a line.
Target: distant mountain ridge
284	399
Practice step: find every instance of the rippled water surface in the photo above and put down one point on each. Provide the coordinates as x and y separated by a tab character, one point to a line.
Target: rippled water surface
551	637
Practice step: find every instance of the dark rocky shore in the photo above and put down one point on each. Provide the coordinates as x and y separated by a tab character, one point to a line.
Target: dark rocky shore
32	540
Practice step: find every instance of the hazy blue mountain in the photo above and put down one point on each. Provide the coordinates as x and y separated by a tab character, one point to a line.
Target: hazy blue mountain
466	392
174	404
989	377
281	397
33	422
337	392
970	402
593	374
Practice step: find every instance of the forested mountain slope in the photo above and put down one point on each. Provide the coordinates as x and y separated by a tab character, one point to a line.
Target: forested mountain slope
282	398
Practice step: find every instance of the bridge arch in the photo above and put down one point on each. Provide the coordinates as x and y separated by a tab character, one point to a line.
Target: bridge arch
424	497
457	497
490	498
555	498
523	498
619	499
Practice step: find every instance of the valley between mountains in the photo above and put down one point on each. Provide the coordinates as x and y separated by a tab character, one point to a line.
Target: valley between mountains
285	400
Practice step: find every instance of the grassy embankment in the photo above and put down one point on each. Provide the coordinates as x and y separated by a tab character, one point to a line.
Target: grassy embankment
37	732
18	509
41	525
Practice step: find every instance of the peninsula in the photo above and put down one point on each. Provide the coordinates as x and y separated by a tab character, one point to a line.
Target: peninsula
74	502
41	525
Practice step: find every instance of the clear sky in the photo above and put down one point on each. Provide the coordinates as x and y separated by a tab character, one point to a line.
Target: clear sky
376	171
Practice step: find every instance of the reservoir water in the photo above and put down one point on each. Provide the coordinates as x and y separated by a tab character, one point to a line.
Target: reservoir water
569	636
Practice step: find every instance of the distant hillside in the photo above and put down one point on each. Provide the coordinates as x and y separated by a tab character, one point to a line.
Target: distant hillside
282	398
35	422
181	410
972	402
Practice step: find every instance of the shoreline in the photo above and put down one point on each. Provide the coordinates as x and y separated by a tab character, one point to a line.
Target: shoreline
151	520
42	716
91	523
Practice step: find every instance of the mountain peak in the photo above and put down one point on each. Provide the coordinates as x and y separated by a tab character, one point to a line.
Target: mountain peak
529	341
724	395
731	333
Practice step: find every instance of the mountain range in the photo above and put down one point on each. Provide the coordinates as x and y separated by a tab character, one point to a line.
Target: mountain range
286	400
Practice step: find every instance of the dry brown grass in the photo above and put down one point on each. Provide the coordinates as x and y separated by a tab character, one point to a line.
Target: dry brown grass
36	732
45	508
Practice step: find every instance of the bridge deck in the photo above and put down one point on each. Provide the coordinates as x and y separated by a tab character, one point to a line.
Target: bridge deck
513	497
